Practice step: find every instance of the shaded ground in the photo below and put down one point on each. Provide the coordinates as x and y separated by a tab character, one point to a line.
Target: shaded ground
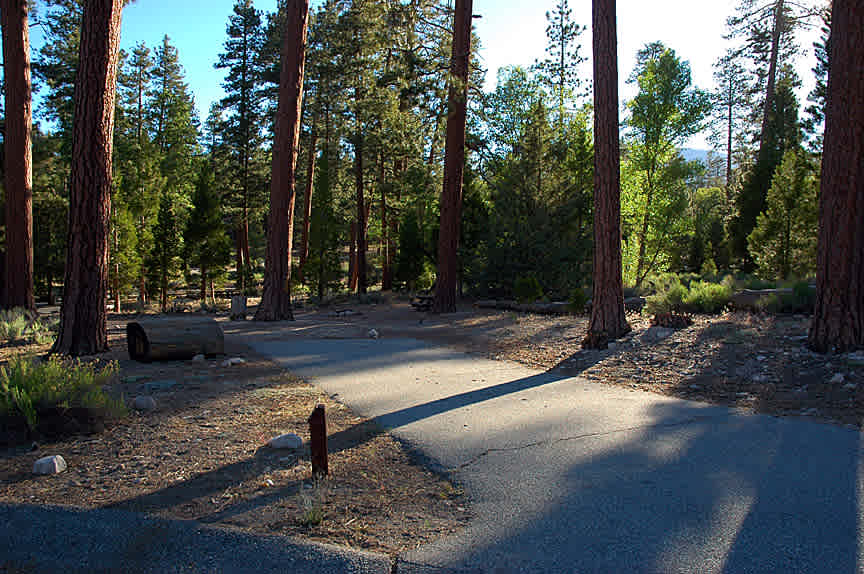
201	456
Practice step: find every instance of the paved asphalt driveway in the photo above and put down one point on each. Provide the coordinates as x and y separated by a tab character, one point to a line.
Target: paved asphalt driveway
565	475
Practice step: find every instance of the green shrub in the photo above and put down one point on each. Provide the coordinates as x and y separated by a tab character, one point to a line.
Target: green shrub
19	325
28	385
700	297
669	301
577	300
802	299
704	297
527	289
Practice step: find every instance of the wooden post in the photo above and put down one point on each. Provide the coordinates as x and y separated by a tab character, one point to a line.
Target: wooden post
318	441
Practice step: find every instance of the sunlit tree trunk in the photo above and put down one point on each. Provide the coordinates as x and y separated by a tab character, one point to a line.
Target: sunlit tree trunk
838	320
276	300
83	319
18	166
608	320
454	162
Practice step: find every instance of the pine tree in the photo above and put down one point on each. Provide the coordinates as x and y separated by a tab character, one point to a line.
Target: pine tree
18	156
783	244
783	132
276	298
172	120
608	321
838	319
813	125
162	263
560	70
83	319
206	245
137	172
242	125
454	162
57	65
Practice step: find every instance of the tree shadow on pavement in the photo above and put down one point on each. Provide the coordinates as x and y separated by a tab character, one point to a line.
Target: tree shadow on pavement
729	493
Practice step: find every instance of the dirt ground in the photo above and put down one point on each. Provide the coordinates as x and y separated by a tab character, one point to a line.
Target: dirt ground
200	455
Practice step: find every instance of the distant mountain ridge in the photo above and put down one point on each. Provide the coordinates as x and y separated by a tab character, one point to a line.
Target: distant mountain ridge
701	155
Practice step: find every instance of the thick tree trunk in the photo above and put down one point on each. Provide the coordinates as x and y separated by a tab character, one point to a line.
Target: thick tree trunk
83	319
276	299
446	289
18	161
838	320
307	206
608	320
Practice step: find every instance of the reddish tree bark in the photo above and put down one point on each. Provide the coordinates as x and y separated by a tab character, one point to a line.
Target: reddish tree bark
276	299
838	320
83	326
608	320
454	163
18	271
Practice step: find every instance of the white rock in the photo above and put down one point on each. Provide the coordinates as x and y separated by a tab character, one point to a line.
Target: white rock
233	361
144	403
761	358
373	334
49	465
286	441
199	358
837	378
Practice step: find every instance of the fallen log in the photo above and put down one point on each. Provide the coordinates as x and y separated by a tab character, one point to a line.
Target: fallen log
173	338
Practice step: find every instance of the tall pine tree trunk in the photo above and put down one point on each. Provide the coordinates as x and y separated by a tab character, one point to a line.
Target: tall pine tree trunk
360	235
276	299
730	104
608	320
83	319
352	257
446	290
310	186
838	320
18	165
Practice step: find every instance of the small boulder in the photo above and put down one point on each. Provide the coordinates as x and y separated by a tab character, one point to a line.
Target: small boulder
373	334
288	441
198	358
49	465
837	378
233	361
144	403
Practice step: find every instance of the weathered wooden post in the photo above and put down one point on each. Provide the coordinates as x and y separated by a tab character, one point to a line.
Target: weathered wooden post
318	441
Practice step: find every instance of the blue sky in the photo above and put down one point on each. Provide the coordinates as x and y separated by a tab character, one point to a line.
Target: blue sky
510	31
